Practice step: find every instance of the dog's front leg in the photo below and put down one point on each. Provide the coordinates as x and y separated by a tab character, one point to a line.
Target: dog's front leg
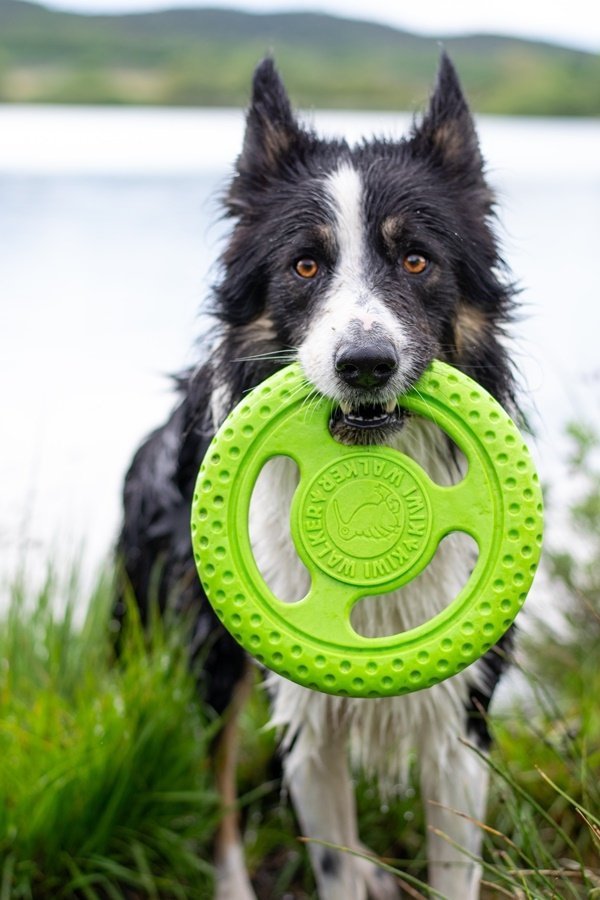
454	789
322	792
232	878
323	796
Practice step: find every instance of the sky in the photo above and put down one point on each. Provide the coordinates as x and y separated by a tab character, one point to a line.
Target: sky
576	23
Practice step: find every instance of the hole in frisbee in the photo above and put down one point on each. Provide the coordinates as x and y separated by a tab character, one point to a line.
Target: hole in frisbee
423	598
269	530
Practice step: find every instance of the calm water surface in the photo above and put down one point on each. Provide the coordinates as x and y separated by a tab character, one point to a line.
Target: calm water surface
108	236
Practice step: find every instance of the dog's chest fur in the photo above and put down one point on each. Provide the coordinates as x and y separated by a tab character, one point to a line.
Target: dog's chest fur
381	732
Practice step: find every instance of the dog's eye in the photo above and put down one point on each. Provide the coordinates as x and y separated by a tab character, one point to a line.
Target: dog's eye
306	267
414	263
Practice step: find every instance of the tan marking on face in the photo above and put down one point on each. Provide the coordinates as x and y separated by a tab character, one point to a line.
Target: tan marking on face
326	235
470	327
390	228
261	329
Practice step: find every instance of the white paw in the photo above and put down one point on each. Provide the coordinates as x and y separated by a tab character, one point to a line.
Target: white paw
381	885
233	888
232	881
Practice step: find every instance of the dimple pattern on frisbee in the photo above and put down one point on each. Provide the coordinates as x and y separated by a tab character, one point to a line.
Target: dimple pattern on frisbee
368	520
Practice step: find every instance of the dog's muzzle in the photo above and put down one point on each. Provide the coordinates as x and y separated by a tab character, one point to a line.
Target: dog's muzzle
366	367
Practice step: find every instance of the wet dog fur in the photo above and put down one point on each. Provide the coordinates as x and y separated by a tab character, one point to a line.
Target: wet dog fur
363	263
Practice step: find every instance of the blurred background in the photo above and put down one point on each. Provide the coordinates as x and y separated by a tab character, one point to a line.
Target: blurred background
120	122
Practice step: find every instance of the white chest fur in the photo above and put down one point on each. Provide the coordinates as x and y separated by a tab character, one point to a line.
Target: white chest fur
381	732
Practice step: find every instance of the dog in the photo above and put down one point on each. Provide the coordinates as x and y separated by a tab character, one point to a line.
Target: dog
363	263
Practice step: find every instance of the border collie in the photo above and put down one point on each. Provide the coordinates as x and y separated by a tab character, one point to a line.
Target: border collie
363	263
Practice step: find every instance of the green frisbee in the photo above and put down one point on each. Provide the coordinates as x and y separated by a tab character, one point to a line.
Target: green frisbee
364	521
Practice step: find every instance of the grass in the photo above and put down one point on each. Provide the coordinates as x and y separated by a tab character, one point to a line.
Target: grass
104	784
106	791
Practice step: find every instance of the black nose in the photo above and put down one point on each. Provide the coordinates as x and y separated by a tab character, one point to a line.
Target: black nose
366	365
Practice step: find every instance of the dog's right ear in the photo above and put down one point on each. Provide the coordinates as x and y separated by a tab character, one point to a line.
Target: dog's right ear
271	131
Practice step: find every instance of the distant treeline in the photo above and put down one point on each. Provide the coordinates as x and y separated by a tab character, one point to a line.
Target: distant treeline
204	57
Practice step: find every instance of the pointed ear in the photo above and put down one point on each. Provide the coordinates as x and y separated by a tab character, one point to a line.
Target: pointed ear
447	132
270	123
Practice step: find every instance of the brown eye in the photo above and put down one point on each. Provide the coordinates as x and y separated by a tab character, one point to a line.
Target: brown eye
414	263
306	268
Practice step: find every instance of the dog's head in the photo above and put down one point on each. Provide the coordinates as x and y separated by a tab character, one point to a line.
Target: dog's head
368	261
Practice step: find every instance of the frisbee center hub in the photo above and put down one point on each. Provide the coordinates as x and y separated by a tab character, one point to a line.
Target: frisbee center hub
365	519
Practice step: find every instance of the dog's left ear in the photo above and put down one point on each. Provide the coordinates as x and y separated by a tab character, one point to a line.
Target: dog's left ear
447	135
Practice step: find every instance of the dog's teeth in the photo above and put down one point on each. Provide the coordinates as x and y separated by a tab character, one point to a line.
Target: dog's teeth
390	406
345	407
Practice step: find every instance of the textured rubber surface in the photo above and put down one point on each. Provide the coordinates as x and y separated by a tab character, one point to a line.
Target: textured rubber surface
367	520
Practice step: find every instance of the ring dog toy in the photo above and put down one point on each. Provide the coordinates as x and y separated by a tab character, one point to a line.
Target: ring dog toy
366	520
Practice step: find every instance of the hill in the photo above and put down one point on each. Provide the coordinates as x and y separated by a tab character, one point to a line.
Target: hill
206	56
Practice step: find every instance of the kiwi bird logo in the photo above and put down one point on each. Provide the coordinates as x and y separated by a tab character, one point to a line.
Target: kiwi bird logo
375	519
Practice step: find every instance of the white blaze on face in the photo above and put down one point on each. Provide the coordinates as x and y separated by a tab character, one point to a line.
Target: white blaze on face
345	191
349	300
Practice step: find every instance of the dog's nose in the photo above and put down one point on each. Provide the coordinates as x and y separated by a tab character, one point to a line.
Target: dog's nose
366	365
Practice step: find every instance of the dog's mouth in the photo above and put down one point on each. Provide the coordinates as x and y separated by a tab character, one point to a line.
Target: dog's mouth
366	423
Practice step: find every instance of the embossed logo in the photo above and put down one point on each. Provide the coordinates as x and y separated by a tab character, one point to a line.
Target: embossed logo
375	520
365	519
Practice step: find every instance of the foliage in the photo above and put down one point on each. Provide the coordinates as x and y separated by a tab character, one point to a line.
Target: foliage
205	57
104	784
578	571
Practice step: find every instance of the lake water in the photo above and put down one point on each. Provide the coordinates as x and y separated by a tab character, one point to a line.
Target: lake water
108	236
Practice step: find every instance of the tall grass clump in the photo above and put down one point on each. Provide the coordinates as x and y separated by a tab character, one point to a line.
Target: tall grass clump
104	785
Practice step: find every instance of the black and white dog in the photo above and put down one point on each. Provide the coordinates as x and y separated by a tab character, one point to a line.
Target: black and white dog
363	263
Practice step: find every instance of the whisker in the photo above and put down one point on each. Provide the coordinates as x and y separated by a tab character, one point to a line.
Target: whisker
302	385
311	403
283	355
427	404
297	390
300	388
